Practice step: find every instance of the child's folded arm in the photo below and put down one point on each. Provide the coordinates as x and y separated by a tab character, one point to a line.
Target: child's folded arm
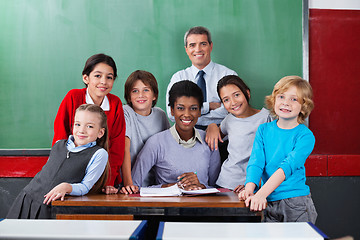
296	158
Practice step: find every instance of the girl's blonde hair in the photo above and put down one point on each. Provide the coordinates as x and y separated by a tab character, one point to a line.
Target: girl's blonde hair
304	94
102	142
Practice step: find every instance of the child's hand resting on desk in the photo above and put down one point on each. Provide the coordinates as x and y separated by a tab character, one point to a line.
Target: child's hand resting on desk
189	181
246	192
256	202
110	190
57	192
129	189
213	136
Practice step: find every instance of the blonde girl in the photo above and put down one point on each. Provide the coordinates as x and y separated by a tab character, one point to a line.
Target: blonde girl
75	166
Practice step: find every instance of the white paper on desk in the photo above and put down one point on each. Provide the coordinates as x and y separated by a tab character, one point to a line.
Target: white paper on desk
174	190
201	191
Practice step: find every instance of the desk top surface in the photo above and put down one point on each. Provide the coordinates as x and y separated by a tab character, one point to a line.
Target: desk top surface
218	200
250	231
66	229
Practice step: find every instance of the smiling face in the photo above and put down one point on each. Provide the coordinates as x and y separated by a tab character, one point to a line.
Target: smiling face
199	49
142	97
235	101
87	128
186	112
287	106
99	82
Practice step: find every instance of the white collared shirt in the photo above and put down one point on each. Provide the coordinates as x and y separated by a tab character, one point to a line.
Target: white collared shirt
186	144
213	73
105	105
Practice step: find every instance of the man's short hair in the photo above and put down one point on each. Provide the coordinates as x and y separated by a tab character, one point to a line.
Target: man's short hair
198	30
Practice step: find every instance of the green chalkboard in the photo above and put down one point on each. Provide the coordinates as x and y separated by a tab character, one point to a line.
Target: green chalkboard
45	43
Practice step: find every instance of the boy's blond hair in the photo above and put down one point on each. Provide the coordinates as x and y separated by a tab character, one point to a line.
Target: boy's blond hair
304	92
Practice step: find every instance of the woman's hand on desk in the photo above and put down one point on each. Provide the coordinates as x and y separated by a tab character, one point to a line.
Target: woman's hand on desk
189	181
129	189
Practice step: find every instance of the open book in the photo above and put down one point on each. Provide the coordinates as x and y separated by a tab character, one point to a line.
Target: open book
174	190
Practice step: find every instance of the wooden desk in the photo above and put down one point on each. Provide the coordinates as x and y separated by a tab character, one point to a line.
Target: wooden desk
71	229
244	231
224	206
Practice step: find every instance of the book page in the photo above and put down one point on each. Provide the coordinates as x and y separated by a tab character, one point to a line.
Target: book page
174	190
201	191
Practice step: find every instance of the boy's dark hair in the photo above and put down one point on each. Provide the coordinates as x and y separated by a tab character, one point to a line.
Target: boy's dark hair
147	78
185	88
96	59
235	80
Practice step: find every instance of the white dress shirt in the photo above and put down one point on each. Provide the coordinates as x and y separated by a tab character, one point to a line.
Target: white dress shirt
213	73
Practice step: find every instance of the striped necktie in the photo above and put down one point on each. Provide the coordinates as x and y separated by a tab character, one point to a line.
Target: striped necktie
201	83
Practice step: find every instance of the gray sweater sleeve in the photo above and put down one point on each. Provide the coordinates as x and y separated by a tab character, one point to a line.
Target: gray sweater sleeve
214	167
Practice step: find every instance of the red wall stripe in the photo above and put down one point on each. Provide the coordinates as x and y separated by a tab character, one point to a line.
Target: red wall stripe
21	166
344	165
316	165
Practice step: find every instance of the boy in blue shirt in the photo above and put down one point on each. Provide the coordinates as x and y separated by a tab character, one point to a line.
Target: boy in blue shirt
279	153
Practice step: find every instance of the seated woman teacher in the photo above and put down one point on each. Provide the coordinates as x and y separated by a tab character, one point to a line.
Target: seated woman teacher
180	154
